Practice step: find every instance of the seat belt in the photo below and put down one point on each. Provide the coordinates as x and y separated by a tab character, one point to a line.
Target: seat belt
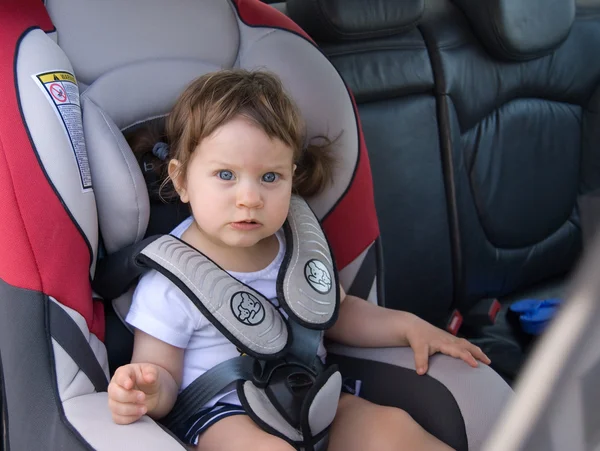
69	336
305	345
207	386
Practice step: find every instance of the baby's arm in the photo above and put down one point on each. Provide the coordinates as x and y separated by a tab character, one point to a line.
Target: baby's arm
148	385
364	324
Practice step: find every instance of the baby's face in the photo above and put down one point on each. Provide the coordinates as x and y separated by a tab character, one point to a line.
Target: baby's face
239	183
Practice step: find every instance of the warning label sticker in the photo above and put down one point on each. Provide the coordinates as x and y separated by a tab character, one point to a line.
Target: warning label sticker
63	94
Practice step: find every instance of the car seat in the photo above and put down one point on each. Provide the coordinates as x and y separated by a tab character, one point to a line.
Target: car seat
77	74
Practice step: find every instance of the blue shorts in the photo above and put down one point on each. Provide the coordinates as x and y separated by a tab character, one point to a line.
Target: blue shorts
189	432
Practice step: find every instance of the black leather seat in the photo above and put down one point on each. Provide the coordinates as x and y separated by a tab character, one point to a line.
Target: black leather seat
518	91
480	120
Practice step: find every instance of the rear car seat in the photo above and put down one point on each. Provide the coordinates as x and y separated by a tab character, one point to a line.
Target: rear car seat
479	149
517	84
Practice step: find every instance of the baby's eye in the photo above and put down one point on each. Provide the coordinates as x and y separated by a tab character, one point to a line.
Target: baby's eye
270	177
225	175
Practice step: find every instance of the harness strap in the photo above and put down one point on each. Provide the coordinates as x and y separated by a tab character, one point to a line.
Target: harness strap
305	344
205	387
240	313
307	284
69	336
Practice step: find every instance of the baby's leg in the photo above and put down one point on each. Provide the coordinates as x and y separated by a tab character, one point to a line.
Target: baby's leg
239	433
360	424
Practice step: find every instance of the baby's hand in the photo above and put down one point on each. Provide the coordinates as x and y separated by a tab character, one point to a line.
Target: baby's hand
133	391
426	340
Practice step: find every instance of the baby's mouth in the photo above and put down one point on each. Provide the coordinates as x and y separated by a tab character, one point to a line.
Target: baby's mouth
247	224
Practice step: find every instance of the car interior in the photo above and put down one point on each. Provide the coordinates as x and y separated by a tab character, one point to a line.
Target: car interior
469	141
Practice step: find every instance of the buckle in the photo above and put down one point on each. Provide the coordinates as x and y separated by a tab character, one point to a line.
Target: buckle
454	323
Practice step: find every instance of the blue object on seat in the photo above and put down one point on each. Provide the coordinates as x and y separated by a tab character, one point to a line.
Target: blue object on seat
535	314
527	305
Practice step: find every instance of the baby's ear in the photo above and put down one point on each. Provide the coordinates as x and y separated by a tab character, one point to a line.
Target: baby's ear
177	176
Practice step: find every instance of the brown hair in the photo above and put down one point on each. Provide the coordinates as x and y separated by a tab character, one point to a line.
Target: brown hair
216	98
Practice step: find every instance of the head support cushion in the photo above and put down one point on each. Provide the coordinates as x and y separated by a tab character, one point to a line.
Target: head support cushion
136	74
343	20
517	29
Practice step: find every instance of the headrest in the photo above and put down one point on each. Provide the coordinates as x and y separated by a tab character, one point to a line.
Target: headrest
344	20
520	29
587	5
123	92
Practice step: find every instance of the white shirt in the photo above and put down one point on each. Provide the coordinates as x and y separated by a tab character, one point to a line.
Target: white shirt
161	309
